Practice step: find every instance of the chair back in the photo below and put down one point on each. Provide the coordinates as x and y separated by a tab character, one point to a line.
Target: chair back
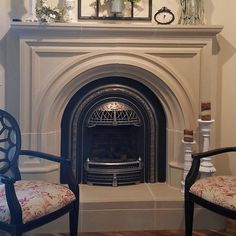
10	145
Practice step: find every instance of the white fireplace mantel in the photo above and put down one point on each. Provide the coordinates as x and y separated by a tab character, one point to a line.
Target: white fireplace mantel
48	63
68	30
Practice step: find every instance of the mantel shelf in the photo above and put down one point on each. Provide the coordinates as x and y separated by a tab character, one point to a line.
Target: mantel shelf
109	28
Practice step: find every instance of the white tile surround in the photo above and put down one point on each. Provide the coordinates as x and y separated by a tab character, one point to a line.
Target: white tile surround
47	64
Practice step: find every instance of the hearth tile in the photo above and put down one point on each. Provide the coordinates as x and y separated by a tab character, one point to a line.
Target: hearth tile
139	192
166	196
97	221
131	205
173	218
142	196
169	218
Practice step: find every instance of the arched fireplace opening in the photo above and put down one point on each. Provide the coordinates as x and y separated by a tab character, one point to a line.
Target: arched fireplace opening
114	131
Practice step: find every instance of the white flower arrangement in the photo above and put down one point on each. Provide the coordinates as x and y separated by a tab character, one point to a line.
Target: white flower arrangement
47	14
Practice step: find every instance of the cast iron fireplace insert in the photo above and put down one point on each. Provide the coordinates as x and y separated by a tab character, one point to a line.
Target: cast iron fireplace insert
114	132
114	145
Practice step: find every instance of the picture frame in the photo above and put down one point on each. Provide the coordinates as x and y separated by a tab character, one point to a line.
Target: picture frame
103	10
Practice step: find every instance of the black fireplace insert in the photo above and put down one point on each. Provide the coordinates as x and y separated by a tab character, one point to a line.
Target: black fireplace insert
114	131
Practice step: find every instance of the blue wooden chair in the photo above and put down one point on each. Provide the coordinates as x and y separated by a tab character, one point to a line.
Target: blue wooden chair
28	204
215	193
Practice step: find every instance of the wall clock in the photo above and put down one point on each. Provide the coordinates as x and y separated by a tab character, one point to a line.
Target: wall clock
164	16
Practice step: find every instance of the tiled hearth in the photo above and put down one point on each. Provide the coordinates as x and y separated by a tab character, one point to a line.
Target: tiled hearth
51	63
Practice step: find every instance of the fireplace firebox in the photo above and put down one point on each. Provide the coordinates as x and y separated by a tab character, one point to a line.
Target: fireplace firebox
114	145
114	131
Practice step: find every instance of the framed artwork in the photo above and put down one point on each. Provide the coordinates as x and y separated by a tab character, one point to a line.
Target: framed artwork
115	9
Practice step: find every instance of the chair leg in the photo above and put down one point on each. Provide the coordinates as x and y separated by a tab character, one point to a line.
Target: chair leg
189	210
74	217
16	233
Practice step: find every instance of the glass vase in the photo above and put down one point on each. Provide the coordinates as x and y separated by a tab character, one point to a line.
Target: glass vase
192	12
116	6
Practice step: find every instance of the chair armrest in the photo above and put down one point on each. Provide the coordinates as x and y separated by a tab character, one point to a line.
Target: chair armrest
45	156
6	179
12	201
67	163
194	170
213	152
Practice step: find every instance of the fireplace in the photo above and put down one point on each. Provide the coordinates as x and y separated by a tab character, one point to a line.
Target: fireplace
114	130
62	74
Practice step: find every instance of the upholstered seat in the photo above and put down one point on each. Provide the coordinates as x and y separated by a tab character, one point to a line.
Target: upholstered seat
220	190
37	199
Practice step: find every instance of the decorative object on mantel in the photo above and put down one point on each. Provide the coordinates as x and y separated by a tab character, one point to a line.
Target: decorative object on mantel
206	166
164	16
117	6
70	13
32	11
188	143
188	135
115	9
192	12
206	111
46	14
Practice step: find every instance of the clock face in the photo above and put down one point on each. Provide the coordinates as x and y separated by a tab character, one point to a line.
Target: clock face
164	16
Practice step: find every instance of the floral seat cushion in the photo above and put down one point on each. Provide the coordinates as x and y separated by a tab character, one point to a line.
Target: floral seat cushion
37	198
220	190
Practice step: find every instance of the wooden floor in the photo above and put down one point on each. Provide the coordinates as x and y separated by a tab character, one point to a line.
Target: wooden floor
158	233
149	233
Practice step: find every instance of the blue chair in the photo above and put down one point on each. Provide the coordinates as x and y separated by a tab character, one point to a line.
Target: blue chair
28	204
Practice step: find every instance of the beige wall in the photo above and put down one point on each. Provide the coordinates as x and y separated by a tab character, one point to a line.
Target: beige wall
220	12
4	25
217	12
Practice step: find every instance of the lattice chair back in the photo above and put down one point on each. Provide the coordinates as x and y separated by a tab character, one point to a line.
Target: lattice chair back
10	145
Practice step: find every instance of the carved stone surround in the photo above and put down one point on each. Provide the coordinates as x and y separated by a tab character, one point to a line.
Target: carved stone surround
178	63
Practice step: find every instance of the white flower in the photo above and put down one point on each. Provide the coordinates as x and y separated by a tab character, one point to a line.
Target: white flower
53	16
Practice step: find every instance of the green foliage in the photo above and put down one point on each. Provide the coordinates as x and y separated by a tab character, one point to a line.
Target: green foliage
48	14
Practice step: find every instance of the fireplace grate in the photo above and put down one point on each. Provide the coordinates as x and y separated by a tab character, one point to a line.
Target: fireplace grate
114	173
113	114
